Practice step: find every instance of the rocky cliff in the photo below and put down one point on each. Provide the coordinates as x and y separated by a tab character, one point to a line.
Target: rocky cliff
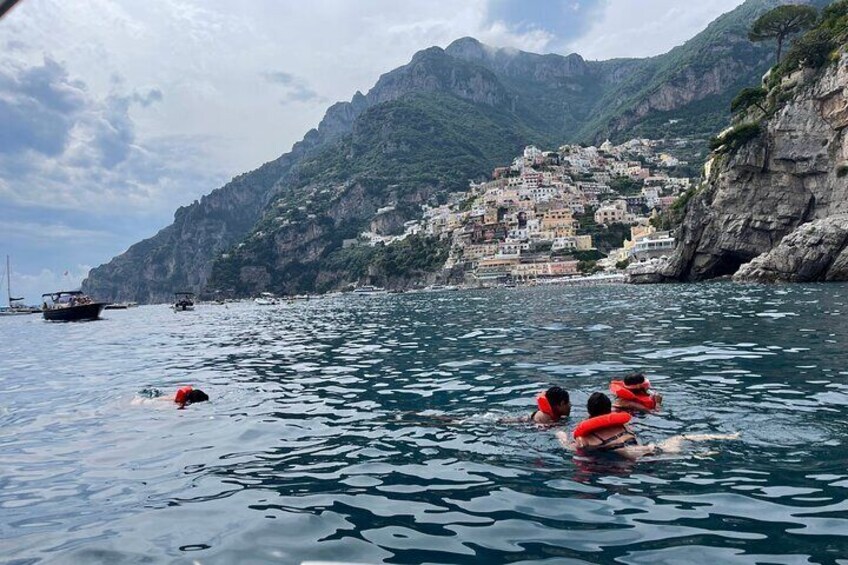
776	207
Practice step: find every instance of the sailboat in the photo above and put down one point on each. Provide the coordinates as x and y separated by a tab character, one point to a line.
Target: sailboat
14	309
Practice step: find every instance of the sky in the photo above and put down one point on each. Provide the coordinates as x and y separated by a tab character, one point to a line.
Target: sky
113	113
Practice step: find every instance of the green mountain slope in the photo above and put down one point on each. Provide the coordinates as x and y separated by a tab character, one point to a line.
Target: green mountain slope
687	91
389	158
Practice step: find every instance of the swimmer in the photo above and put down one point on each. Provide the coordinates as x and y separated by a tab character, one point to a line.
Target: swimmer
183	397
635	393
606	431
553	404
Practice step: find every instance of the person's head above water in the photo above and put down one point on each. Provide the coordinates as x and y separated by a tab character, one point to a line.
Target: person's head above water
559	400
636	381
196	395
598	405
189	395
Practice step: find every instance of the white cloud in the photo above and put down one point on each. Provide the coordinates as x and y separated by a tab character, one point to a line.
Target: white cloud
30	287
49	234
646	28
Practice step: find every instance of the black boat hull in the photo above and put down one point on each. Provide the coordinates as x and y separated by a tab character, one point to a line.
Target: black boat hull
75	313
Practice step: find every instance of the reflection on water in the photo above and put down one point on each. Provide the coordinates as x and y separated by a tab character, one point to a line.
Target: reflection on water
369	429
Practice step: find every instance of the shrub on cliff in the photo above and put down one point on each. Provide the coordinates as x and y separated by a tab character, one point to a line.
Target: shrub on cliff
748	97
812	50
736	137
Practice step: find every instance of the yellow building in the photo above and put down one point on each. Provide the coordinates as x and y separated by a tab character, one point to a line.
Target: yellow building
560	222
477	252
496	268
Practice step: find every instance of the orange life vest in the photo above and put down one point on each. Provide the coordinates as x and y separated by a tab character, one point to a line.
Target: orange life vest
182	395
620	390
601	422
545	406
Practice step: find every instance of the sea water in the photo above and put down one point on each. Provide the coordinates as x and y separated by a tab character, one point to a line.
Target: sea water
371	429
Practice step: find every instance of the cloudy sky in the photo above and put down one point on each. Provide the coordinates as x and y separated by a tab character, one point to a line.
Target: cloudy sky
115	112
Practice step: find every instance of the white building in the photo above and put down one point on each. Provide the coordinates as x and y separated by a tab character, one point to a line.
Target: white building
615	213
531	152
659	244
652	196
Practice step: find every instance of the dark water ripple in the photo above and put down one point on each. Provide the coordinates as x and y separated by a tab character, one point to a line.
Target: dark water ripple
369	430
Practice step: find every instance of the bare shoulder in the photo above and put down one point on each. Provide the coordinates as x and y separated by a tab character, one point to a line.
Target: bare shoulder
542	418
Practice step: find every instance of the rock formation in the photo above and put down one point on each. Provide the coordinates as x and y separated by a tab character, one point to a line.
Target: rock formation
782	197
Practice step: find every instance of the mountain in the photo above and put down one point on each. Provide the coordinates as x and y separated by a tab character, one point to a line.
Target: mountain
422	131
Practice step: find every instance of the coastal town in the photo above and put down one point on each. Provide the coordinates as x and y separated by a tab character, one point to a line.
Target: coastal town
555	214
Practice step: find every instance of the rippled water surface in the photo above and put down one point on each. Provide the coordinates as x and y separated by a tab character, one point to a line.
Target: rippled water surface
368	429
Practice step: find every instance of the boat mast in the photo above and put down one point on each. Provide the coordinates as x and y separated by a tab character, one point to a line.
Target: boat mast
8	281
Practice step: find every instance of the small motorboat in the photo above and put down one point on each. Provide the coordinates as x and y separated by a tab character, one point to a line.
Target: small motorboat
70	306
19	311
183	301
266	299
368	290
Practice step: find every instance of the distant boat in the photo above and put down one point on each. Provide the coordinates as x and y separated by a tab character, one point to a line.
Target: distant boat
14	309
70	306
183	301
368	290
434	288
266	299
120	306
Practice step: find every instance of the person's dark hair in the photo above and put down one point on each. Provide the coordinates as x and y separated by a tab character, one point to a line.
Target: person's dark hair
196	395
598	404
556	395
634	379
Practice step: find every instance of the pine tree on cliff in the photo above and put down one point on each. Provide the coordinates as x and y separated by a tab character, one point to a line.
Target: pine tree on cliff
782	22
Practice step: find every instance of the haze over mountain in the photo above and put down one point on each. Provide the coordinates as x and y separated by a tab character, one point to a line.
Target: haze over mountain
425	129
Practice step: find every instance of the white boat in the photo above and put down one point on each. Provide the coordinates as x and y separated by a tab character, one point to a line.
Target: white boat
266	299
14	309
120	305
183	301
368	290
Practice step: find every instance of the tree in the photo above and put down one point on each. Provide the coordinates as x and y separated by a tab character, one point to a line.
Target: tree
782	22
811	50
749	97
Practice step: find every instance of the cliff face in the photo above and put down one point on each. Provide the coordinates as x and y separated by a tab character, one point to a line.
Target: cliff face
178	257
781	198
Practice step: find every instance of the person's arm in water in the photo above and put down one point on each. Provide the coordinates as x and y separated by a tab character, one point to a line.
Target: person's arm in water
630	406
565	441
671	445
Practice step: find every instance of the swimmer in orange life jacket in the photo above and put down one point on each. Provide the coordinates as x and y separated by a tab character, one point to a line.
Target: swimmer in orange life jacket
607	432
553	404
185	395
634	393
188	395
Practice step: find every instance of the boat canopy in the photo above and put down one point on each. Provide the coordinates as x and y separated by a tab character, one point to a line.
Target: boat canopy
62	293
